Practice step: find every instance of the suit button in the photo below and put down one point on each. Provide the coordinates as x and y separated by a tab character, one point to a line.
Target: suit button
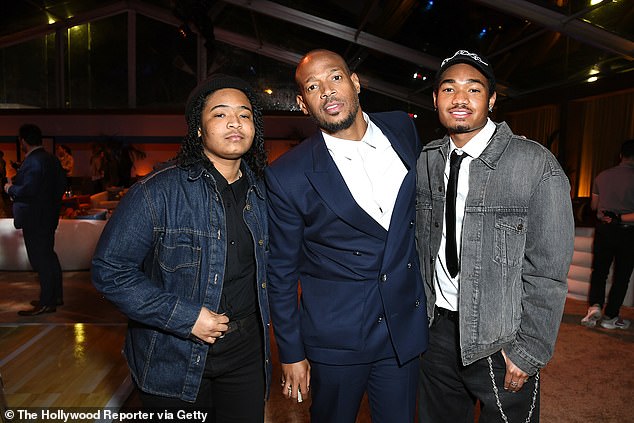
409	265
261	242
439	188
436	224
411	224
380	319
356	253
417	303
248	207
263	285
383	277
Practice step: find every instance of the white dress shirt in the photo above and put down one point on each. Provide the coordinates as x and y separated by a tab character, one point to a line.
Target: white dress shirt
448	288
371	169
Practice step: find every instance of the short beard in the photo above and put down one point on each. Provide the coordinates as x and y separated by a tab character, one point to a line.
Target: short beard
461	129
334	127
464	129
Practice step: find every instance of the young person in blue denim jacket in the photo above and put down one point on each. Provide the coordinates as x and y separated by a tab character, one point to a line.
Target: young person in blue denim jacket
495	300
183	256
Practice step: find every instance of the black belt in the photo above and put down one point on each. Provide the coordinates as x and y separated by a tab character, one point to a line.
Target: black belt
234	325
449	314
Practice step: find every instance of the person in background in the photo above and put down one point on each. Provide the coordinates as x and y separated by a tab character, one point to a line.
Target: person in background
495	235
183	256
36	191
341	208
97	163
3	169
5	207
613	200
65	158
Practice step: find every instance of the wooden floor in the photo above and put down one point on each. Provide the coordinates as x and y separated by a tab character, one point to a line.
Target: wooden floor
63	365
72	358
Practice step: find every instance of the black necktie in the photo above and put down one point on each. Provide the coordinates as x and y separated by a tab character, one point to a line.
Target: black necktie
451	250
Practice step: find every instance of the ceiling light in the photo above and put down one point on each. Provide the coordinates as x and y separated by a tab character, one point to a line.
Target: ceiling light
268	91
592	78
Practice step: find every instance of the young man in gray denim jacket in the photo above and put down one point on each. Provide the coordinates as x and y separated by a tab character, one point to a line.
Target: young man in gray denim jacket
495	307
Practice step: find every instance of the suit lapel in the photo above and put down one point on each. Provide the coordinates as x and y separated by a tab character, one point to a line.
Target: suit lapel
331	187
402	149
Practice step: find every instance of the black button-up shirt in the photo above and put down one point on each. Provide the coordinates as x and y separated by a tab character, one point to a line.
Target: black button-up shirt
238	291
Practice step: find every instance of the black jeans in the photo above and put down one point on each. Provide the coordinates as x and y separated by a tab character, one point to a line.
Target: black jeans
448	391
44	260
232	387
611	242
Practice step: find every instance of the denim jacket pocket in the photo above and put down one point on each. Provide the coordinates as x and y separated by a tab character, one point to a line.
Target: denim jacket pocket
179	258
510	238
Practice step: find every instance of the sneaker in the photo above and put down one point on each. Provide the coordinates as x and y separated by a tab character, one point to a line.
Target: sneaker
593	316
615	323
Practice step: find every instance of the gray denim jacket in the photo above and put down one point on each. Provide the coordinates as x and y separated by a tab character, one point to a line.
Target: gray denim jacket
517	244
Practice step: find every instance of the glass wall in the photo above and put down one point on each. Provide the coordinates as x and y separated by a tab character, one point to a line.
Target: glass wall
166	64
96	64
27	74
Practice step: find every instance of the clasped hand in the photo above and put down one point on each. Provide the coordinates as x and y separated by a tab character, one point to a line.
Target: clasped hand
210	326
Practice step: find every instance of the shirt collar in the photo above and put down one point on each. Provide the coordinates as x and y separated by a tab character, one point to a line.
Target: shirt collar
478	143
371	138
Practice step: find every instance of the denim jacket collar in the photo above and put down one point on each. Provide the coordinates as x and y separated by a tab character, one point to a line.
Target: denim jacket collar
197	170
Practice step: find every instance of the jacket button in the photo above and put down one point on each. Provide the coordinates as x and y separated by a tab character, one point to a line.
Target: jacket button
383	277
261	242
436	224
409	265
380	319
439	188
411	223
520	227
248	207
431	260
356	253
263	285
417	303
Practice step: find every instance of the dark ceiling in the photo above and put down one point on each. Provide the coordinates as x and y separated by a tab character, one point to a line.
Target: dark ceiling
395	46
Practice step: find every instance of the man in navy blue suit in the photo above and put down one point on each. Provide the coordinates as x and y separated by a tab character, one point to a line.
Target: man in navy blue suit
36	191
341	212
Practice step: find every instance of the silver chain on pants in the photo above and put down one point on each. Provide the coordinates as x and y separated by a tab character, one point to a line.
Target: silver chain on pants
497	396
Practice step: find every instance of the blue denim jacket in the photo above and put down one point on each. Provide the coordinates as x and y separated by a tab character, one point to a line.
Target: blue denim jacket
517	244
160	258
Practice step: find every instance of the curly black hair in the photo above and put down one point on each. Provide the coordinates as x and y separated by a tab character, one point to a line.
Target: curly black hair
191	151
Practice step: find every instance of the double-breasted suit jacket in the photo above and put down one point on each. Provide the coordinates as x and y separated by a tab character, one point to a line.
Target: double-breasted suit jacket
362	297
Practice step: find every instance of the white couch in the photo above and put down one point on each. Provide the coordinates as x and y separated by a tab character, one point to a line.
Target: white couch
75	242
100	201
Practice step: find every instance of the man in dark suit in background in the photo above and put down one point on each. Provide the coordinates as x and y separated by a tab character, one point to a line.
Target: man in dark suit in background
341	211
36	191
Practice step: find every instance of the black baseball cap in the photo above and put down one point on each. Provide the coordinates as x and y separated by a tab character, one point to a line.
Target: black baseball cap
479	62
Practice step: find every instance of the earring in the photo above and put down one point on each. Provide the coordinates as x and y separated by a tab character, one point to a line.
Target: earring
490	109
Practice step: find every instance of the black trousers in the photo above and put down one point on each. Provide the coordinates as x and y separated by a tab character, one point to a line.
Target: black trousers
232	388
448	391
40	250
611	242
